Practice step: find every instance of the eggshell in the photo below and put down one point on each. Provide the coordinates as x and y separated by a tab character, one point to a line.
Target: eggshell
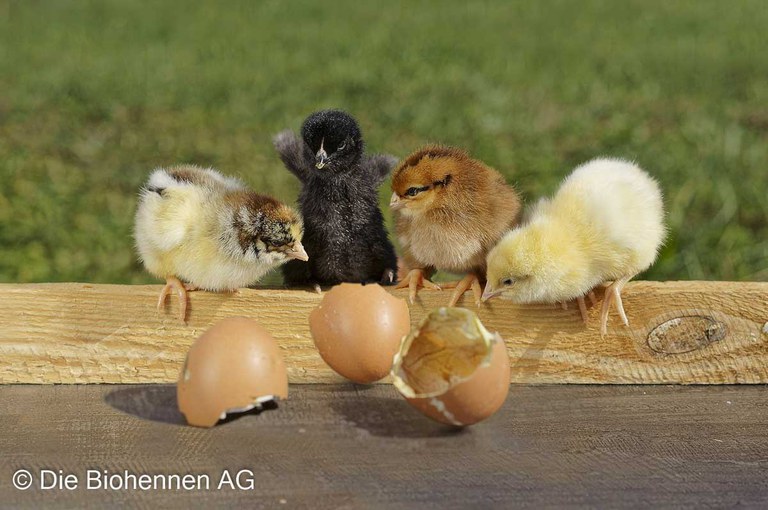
358	328
234	366
457	372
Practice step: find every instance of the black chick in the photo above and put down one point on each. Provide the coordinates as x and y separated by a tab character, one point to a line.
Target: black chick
344	232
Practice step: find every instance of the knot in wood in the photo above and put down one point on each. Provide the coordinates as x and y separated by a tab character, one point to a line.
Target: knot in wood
686	334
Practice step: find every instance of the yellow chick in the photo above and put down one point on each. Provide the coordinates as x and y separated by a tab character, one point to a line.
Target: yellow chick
201	230
605	223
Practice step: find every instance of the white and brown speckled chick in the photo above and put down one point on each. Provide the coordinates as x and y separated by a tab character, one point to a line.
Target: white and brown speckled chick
201	230
450	210
605	223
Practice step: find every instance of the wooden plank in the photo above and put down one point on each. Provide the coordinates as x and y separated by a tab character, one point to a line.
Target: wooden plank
346	446
85	333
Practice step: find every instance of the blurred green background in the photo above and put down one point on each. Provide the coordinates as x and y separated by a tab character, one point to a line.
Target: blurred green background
93	95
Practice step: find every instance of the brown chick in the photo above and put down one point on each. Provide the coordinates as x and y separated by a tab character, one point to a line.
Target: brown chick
450	210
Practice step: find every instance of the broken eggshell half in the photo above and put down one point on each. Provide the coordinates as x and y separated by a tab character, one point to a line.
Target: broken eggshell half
357	330
233	367
452	369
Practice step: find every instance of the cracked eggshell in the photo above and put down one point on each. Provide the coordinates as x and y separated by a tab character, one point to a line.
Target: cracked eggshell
234	366
358	328
452	369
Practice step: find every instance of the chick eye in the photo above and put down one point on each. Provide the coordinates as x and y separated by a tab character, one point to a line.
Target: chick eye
507	282
342	146
412	192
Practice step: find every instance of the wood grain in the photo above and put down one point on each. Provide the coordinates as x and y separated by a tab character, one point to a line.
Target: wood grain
680	332
348	446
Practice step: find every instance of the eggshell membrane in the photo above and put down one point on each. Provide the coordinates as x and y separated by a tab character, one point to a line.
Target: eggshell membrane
234	366
464	399
357	330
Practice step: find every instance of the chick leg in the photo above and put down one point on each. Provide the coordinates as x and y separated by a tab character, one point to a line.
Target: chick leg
604	311
471	280
613	292
172	282
582	308
583	304
617	296
413	280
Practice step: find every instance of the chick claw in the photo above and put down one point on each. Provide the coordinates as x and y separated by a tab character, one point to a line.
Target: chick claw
471	280
181	290
413	280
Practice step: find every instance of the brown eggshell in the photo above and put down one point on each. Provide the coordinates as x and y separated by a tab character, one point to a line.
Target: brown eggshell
468	398
358	328
473	400
234	366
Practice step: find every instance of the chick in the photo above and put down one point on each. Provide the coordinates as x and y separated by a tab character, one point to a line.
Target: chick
450	210
605	223
199	229
344	228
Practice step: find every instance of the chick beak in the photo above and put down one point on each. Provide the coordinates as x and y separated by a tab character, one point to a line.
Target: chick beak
488	293
395	202
321	158
298	252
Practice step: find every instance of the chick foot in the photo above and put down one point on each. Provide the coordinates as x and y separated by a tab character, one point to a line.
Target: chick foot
413	280
471	280
181	290
613	293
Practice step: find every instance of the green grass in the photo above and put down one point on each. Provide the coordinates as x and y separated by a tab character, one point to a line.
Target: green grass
93	95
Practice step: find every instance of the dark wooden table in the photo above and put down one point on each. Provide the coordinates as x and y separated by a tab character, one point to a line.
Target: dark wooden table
346	446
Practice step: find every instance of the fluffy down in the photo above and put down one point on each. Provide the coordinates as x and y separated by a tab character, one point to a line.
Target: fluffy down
605	223
200	229
450	209
345	235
